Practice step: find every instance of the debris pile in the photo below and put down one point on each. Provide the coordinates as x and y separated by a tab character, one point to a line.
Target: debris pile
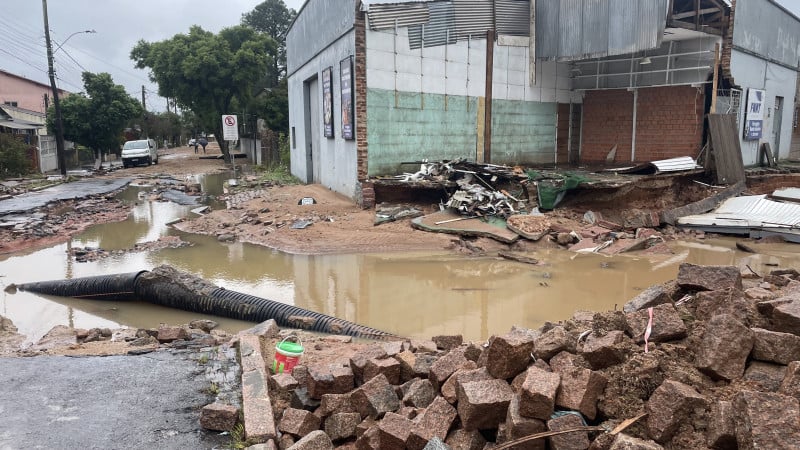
707	360
480	190
86	254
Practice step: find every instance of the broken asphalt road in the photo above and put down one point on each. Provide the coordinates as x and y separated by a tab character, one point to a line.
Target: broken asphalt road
65	191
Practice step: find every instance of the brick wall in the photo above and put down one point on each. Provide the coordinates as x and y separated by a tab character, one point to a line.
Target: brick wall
669	123
361	94
365	194
607	120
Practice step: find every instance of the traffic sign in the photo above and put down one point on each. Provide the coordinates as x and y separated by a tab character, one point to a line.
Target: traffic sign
230	128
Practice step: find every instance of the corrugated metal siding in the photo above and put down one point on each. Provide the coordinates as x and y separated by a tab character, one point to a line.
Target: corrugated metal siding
763	28
473	17
440	29
594	39
513	17
569	29
383	17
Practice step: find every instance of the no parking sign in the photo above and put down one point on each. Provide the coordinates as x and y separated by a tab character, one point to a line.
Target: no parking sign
230	127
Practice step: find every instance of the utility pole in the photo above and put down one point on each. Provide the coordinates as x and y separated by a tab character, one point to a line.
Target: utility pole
144	114
62	159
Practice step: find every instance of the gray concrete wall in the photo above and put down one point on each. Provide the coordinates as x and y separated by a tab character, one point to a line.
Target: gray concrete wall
321	36
319	23
778	81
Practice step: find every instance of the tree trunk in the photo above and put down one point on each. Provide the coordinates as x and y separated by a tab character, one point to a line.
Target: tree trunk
223	144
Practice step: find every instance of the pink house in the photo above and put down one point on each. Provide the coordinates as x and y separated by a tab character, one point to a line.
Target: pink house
24	93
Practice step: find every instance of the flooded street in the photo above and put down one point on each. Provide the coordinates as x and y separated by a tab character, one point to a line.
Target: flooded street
415	295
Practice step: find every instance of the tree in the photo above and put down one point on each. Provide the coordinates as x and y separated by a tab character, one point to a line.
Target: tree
272	18
96	118
205	72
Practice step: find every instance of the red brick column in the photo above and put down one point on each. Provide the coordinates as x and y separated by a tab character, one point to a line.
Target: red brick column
365	195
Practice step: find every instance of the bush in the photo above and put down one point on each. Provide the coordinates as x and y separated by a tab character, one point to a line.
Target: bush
14	159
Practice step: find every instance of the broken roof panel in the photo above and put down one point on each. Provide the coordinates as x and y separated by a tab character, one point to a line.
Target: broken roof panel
754	211
568	30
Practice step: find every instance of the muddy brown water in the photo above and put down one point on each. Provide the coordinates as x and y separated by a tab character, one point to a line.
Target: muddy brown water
415	295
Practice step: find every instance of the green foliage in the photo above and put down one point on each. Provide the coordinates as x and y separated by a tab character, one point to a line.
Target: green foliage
275	108
205	72
163	126
272	18
238	440
97	117
14	160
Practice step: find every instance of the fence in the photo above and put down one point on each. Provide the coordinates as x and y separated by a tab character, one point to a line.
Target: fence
262	151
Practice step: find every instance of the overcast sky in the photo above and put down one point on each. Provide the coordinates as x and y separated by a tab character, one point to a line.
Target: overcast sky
119	25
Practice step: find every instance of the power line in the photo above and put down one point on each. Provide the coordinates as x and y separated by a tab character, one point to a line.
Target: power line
26	62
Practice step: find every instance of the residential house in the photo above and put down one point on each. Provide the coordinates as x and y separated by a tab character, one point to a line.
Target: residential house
25	93
377	85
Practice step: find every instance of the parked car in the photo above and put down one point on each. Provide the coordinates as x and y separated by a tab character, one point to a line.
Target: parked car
138	152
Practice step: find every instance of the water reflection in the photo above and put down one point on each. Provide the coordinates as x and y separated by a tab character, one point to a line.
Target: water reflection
417	295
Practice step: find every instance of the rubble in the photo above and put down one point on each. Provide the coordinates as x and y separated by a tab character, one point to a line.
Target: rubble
703	383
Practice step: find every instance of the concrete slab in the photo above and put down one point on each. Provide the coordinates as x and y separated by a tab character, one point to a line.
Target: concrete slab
453	223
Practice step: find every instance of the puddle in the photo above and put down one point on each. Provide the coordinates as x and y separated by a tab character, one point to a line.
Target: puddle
415	295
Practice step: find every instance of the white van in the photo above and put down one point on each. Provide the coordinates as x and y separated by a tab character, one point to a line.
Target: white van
136	152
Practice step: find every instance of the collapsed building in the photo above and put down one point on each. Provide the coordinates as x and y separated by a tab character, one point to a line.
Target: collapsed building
375	85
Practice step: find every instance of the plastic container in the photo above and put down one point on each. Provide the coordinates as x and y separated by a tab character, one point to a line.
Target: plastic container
287	355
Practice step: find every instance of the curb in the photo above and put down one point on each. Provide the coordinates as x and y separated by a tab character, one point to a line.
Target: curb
259	423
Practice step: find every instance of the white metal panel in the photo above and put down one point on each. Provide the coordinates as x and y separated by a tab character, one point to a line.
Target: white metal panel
380	79
751	211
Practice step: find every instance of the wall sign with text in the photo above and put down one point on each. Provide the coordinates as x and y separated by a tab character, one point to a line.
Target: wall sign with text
346	83
754	115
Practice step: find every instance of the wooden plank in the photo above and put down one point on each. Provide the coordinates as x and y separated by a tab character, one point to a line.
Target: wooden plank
765	152
702	206
725	148
716	80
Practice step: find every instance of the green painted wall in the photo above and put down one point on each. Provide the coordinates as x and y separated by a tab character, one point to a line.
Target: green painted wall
523	132
411	126
419	127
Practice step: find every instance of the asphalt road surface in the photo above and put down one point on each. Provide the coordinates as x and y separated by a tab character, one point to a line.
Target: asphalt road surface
151	401
66	191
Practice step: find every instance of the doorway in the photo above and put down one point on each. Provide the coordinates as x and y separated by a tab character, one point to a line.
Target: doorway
311	94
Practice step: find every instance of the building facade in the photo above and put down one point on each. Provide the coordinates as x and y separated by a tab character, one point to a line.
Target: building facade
378	86
24	93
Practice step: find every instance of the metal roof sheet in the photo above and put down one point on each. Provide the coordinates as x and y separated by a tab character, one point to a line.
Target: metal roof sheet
754	211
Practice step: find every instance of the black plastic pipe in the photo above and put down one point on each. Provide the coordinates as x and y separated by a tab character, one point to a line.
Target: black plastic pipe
166	286
120	286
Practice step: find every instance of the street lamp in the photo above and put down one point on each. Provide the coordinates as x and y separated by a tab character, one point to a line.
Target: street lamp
60	154
73	34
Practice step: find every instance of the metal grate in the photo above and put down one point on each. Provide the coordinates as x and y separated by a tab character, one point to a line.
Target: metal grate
729	101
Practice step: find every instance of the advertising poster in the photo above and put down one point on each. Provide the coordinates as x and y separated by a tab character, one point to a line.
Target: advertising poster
346	73
754	115
327	102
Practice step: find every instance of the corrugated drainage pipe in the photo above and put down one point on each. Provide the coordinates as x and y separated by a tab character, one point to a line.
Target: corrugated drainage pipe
167	286
102	287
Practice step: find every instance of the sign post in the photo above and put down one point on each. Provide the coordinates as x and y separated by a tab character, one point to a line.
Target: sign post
230	132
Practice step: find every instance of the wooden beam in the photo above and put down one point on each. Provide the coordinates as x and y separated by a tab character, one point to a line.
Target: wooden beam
689	26
684	15
715	83
487	118
697	15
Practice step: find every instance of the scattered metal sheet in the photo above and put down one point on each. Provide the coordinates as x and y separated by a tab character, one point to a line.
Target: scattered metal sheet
679	164
754	215
791	194
301	224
